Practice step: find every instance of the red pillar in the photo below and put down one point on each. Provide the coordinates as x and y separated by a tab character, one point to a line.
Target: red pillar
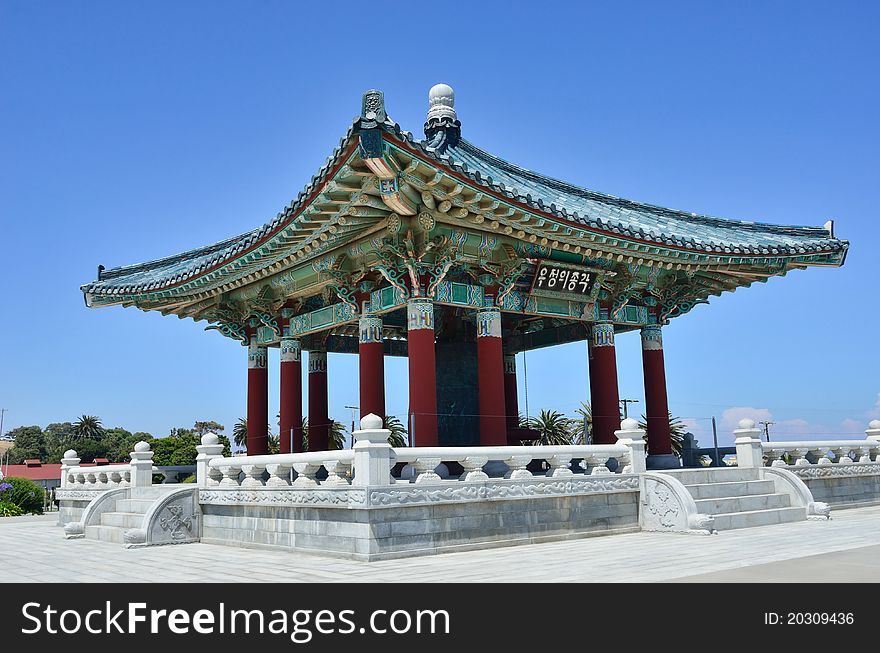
511	402
422	372
371	364
257	442
604	396
490	378
291	396
319	421
656	403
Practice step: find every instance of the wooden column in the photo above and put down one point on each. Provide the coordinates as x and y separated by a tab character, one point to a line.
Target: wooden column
371	366
319	421
656	402
511	401
257	442
291	396
604	395
422	372
490	378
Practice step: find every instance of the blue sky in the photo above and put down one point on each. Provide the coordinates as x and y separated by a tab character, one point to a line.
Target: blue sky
134	131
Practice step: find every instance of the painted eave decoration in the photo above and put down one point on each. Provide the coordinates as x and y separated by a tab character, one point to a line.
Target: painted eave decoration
381	182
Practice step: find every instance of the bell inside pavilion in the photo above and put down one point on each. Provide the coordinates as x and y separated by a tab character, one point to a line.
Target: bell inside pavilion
438	251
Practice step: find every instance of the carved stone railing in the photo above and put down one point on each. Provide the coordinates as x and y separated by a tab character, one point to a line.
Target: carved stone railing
274	471
370	461
592	460
810	458
79	481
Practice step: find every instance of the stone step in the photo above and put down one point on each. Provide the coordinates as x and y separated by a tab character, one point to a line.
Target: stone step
742	503
122	519
730	489
731	520
139	506
152	492
105	533
714	475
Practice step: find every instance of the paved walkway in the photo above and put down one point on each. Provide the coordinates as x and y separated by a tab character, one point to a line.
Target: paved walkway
846	548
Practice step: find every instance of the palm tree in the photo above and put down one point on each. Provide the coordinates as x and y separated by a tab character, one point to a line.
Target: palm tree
398	437
580	434
336	439
676	432
239	432
554	427
88	426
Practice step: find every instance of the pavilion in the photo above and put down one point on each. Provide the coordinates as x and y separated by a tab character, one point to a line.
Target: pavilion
436	250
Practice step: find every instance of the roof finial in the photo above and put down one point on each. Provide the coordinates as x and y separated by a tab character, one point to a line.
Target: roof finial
441	114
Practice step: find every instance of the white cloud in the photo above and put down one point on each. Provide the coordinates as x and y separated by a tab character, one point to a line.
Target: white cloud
731	416
854	426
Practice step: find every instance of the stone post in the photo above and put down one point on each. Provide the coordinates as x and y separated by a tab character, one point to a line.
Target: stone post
372	454
873	433
630	435
208	449
749	452
70	460
141	465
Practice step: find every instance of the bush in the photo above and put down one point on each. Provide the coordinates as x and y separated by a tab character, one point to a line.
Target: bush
9	509
189	479
23	493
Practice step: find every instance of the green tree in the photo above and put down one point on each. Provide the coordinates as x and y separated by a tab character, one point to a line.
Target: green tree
239	433
398	437
200	428
676	432
336	436
30	442
88	426
582	425
554	427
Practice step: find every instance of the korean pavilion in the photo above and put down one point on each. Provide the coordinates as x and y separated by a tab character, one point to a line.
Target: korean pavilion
436	250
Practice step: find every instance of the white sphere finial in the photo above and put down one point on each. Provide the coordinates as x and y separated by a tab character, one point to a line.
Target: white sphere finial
371	422
441	99
141	446
629	424
747	424
874	424
210	438
70	453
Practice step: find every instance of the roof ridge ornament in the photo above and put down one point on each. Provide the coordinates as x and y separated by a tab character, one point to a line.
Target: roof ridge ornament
373	108
442	116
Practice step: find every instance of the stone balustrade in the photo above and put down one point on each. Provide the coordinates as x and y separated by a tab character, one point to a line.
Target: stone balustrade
137	473
592	460
274	471
370	461
820	452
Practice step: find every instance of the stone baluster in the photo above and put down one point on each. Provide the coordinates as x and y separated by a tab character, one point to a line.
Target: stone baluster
279	475
517	467
821	456
560	465
800	457
115	478
632	437
170	476
372	454
69	461
873	433
424	470
749	452
141	465
773	456
841	455
597	465
473	468
865	454
209	449
80	480
253	475
230	473
306	474
101	480
338	473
